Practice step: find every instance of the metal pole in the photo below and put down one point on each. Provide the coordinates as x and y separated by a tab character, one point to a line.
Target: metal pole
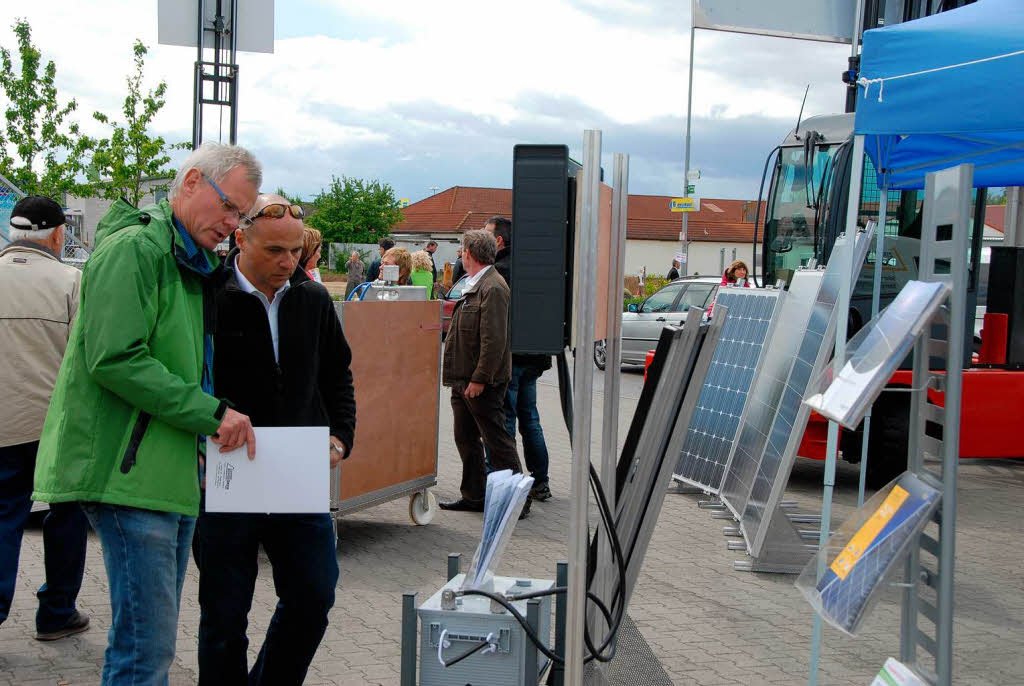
583	388
197	106
876	300
951	427
408	664
613	347
533	619
561	579
842	314
454	565
685	266
233	68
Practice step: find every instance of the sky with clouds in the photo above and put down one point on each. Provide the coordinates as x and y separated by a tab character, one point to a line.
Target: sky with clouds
437	94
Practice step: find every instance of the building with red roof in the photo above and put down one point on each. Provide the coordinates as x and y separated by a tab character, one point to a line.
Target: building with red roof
721	231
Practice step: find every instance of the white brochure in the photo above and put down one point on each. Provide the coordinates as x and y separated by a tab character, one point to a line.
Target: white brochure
290	473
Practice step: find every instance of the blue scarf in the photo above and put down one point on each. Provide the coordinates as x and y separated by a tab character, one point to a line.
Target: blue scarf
191	257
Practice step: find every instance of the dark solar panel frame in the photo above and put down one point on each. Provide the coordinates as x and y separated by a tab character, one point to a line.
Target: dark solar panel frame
712	428
686	358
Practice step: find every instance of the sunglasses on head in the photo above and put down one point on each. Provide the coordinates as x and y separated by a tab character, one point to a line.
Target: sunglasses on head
275	211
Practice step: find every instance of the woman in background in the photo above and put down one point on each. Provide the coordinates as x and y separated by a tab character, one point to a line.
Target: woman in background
401	258
311	242
422	272
736	275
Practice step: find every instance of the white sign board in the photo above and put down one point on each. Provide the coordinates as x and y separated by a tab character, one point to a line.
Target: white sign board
176	23
830	21
290	473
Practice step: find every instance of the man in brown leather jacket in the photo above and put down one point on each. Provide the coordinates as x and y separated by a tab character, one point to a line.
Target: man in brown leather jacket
477	367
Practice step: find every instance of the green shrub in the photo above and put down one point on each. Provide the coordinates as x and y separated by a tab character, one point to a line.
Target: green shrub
654	284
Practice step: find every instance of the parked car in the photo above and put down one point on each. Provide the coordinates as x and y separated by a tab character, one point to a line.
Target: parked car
642	324
448	302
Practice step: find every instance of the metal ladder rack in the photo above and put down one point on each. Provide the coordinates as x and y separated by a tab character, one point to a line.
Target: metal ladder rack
926	635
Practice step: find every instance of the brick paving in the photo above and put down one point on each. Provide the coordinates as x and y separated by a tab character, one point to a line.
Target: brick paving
706	623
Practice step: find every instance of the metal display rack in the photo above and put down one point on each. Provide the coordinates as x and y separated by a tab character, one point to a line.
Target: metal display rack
928	575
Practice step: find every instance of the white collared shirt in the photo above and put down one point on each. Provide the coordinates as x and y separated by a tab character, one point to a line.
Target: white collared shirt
271	306
472	281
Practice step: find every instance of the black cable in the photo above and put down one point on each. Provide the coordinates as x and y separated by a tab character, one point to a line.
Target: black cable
518	616
565	393
480	646
757	215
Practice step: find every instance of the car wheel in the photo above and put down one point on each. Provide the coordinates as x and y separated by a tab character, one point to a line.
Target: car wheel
600	355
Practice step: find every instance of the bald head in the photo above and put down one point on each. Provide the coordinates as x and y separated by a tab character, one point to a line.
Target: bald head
269	250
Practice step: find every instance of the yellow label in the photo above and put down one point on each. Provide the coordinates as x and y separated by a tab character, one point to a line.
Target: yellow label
858	545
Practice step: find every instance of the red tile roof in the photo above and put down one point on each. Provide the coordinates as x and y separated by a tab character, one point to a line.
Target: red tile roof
995	216
461	208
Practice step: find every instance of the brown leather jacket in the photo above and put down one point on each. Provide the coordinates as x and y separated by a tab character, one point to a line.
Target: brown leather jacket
477	347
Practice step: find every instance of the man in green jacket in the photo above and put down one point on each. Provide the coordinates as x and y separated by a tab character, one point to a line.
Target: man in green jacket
133	400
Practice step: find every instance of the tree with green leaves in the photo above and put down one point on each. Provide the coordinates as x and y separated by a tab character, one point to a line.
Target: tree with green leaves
124	162
42	150
355	211
293	199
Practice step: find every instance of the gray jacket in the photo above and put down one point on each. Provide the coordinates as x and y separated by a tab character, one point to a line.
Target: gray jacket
38	303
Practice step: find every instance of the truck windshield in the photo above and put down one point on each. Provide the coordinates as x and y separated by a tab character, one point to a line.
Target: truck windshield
789	230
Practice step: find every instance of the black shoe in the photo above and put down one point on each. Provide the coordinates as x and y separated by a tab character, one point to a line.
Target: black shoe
76	624
540	492
462	505
526	509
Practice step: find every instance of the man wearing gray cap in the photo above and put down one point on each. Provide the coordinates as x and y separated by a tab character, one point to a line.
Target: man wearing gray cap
38	303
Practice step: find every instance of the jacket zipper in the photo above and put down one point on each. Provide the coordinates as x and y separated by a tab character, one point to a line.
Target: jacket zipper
138	431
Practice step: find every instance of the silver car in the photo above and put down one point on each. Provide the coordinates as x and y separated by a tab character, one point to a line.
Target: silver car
642	324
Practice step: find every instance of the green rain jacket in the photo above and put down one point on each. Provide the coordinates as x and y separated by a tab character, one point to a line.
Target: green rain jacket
128	403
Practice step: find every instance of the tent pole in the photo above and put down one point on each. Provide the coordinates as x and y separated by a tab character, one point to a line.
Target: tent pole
842	315
876	297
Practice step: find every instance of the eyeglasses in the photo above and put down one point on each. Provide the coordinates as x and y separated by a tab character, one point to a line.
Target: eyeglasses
243	219
275	211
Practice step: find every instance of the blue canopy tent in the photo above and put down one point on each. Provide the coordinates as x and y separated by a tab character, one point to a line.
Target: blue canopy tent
934	93
944	90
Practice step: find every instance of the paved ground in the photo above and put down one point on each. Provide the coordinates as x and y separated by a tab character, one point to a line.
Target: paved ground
707	623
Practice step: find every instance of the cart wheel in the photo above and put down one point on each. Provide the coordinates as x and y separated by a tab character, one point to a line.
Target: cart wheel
422	507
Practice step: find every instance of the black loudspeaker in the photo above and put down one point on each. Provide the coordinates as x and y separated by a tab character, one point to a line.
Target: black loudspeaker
543	205
1005	285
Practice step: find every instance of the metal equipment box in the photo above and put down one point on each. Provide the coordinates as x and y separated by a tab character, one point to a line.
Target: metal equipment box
470	623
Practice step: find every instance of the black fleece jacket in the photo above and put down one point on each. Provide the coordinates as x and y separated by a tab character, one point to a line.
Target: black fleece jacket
310	384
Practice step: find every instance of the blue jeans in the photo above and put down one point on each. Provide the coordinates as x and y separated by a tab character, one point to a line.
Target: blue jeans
521	403
146	555
65	532
303	552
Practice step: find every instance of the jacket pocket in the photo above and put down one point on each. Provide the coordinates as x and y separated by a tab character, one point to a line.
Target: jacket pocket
138	431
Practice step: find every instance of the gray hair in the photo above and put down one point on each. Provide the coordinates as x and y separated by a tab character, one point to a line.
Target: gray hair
481	245
38	236
216	160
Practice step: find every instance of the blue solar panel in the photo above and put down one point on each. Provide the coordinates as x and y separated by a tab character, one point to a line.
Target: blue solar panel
712	430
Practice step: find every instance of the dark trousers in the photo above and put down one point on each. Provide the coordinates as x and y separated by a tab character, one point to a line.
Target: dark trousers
65	532
521	404
303	552
476	419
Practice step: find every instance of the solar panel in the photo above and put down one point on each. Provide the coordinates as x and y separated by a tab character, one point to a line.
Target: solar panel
768	389
712	428
646	465
814	350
